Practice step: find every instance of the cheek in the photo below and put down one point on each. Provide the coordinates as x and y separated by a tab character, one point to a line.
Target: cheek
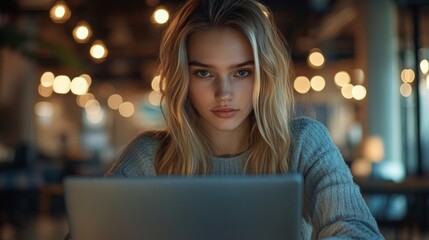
196	94
248	95
191	91
247	90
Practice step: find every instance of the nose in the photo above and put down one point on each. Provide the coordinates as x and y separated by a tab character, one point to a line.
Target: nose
224	89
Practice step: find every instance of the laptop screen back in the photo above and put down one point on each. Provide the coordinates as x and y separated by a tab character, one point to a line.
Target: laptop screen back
245	207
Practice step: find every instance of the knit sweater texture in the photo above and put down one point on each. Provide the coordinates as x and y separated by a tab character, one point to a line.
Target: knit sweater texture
333	207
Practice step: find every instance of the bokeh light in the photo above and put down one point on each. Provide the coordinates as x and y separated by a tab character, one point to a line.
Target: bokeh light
82	32
43	109
347	91
424	66
79	86
114	101
47	79
155	83
342	78
316	58
81	100
98	50
359	92
126	109
302	84
317	83
60	12
406	89
61	84
161	15
407	75
44	91
155	98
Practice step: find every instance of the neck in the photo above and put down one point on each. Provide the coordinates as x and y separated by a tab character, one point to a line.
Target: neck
230	143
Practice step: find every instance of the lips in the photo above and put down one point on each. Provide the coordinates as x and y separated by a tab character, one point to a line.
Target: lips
224	112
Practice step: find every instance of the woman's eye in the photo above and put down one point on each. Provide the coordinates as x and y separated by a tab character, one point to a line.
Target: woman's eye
202	73
242	73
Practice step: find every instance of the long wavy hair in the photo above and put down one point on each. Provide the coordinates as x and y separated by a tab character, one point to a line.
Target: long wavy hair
185	148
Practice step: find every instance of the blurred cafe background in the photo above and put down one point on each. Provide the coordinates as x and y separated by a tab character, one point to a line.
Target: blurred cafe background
78	81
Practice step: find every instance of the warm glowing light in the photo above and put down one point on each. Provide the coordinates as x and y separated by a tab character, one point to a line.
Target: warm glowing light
81	100
61	84
126	109
92	106
408	75
361	168
424	66
79	86
98	50
359	92
406	89
373	149
95	117
347	91
82	32
342	78
155	83
317	83
60	12
155	98
114	101
44	91
43	109
47	79
161	16
302	84
316	58
87	78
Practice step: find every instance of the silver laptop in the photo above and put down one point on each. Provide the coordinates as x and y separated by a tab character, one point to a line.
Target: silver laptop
179	208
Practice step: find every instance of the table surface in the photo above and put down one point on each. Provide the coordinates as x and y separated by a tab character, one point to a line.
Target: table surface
410	185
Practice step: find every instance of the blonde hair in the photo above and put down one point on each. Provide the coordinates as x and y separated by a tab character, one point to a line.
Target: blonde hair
185	149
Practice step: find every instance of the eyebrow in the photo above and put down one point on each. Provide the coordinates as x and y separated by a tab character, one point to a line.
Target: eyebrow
198	64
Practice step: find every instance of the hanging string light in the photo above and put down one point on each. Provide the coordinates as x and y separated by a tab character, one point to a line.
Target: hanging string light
160	15
315	58
407	77
98	51
82	32
60	12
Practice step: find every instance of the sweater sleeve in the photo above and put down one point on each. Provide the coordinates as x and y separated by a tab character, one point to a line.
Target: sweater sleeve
333	203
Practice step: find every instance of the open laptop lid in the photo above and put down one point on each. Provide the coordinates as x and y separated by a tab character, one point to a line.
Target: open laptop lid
233	207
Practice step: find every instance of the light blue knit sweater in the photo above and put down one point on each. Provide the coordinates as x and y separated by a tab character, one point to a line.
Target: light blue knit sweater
333	205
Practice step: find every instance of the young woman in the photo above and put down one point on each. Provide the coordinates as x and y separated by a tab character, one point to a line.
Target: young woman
225	75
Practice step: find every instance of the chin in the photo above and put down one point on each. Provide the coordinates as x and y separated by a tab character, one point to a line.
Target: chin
227	127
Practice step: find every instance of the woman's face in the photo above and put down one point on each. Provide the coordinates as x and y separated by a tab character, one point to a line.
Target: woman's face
221	71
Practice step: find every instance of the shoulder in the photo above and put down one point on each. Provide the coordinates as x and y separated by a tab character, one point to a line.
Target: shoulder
137	158
143	145
146	139
307	127
310	140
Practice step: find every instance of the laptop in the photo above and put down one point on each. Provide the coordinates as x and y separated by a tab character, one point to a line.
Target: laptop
179	208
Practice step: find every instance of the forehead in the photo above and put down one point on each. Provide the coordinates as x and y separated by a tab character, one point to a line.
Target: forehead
217	46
